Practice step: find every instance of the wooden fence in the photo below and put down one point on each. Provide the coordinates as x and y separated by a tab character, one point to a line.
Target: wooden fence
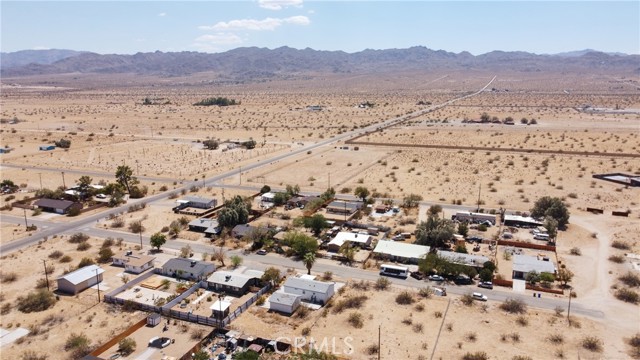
509	283
526	245
119	337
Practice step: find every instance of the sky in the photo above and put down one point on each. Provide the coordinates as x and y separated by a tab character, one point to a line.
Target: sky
128	27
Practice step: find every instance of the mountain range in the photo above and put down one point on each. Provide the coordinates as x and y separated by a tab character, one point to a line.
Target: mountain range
253	62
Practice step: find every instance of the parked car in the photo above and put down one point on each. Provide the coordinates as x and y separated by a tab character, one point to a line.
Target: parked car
160	342
474	238
462	280
417	275
101	196
261	252
436	278
486	284
479	296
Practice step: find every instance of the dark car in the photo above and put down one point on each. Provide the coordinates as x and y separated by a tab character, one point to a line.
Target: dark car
462	280
474	238
417	275
486	284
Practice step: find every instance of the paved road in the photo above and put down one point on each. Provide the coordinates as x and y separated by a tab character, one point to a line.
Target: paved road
81	172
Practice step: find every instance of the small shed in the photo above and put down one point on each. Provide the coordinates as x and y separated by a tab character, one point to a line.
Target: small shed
284	303
153	319
220	309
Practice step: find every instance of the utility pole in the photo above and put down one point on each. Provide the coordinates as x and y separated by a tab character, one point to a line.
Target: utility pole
569	309
479	189
98	283
379	345
240	174
25	217
40	180
64	186
329	181
140	236
46	276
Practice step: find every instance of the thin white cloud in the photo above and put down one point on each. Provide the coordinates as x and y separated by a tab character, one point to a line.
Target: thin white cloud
162	14
219	39
279	4
257	25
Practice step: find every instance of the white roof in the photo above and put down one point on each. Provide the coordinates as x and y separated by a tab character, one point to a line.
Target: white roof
230	278
463	259
220	305
83	274
526	263
283	298
521	219
400	249
306	284
344	236
269	195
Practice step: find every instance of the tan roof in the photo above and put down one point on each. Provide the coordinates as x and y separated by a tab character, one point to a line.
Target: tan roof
134	259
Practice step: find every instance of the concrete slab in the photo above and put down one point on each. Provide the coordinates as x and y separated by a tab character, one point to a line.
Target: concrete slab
13	336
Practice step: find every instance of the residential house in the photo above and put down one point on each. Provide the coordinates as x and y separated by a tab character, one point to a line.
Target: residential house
236	283
317	292
475	261
524	264
57	206
197	202
283	302
268	197
76	281
207	226
344	207
400	252
133	263
520	221
188	269
353	238
241	230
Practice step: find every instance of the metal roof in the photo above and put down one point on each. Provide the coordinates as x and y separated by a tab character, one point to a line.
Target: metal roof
283	298
344	236
400	249
526	263
463	259
231	278
306	284
83	274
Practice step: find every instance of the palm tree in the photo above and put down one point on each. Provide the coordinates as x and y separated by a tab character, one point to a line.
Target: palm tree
309	259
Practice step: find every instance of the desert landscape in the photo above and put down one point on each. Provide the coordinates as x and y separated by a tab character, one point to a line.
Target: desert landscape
395	133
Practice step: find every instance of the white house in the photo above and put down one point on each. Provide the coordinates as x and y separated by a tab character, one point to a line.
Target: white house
76	281
399	251
197	202
353	238
524	264
133	263
314	291
268	197
188	269
284	302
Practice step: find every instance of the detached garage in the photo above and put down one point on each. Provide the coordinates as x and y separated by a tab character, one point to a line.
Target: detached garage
74	282
284	303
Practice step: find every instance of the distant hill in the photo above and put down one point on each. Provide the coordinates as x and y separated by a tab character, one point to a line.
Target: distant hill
259	63
25	57
586	51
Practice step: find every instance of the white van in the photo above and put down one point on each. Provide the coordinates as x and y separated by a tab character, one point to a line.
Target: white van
541	236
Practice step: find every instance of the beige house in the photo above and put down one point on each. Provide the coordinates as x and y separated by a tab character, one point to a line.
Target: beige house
133	263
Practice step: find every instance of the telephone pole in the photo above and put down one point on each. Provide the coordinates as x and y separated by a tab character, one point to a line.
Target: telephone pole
46	276
64	186
98	283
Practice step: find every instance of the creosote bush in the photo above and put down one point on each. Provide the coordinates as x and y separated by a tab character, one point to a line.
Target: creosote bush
356	320
405	298
478	355
592	344
39	300
514	306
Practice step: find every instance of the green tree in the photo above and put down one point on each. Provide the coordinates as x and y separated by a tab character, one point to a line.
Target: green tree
308	260
249	144
126	346
361	192
104	255
201	355
532	277
551	225
292	190
316	223
124	177
564	276
246	355
463	228
434	232
552	207
236	261
300	243
434	210
265	189
411	201
280	198
211	144
484	117
84	184
157	240
348	251
272	275
236	211
486	275
328	194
